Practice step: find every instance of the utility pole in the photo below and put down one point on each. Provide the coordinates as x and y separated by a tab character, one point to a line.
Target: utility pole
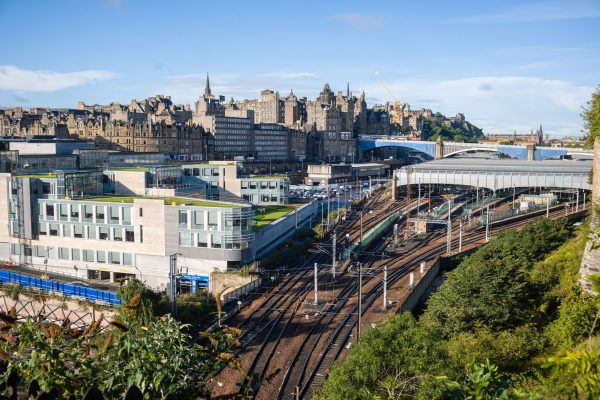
328	209
333	255
173	283
460	233
385	287
584	193
316	302
577	202
487	223
449	229
547	207
359	300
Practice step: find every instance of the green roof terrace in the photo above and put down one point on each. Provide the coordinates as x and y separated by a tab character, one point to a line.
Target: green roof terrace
168	201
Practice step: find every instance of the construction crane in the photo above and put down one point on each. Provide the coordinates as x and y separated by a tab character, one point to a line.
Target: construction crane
397	119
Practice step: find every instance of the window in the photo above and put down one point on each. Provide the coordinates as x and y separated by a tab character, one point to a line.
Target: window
66	230
63	253
127	216
100	256
141	234
104	233
185	239
216	242
129	235
100	214
49	211
74	213
39	251
198	220
263	184
75	254
127	259
51	251
141	212
53	229
15	249
91	232
114	214
114	257
212	220
183	219
43	228
244	185
63	212
88	213
88	255
118	234
272	185
252	185
78	231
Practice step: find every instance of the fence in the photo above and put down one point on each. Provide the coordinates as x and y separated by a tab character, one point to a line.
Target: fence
237	293
67	289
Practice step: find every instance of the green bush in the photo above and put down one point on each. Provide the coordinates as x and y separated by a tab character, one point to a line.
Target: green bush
395	359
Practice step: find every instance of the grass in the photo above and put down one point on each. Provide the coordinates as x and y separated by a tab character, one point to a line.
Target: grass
271	213
167	200
39	176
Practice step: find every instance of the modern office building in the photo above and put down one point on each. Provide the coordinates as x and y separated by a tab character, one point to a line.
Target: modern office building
63	223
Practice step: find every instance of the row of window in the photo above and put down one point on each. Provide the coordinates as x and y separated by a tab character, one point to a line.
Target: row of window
87	232
255	184
85	213
254	198
190	239
69	254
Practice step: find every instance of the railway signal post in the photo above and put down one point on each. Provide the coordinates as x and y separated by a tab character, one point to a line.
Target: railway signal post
316	301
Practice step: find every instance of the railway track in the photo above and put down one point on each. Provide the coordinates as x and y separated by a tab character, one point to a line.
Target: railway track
277	337
397	269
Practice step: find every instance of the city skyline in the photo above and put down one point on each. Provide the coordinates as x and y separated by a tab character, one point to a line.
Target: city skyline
506	66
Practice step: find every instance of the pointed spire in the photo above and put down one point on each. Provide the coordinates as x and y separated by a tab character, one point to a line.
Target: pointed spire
348	90
207	92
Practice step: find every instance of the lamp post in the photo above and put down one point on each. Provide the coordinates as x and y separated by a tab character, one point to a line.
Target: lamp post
173	283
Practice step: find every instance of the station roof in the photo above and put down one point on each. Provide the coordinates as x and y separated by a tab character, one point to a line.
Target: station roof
505	165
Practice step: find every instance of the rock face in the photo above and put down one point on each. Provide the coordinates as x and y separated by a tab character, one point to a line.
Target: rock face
590	264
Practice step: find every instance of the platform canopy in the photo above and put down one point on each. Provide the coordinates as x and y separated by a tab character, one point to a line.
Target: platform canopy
499	174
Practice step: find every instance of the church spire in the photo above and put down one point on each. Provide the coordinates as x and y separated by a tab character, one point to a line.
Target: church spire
207	92
348	90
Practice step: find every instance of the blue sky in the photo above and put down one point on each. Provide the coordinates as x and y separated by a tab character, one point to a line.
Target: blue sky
507	65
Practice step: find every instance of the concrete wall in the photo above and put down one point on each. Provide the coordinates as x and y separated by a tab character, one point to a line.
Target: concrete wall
284	228
129	183
590	263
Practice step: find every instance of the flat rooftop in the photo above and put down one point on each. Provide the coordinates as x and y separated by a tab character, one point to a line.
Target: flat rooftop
168	201
505	165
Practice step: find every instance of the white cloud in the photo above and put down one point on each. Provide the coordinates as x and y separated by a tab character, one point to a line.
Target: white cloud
362	22
22	80
498	104
533	12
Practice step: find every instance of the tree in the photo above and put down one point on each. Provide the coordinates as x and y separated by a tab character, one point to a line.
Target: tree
482	381
392	361
492	286
591	118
